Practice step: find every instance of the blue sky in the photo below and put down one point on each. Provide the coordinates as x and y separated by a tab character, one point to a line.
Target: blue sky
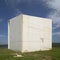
41	8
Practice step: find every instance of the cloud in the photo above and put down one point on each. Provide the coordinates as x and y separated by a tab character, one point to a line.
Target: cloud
56	33
13	4
3	36
55	4
55	16
56	19
57	26
19	5
1	19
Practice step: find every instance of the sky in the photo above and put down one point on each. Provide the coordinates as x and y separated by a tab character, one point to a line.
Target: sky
41	8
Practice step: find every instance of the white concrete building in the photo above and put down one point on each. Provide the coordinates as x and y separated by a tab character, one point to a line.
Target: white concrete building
29	33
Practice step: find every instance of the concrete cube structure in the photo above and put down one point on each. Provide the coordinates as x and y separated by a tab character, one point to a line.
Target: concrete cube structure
29	33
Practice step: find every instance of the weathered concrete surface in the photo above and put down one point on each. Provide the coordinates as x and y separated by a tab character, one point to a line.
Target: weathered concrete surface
29	33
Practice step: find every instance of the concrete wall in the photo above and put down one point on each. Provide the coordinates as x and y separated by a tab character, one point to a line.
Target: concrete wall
37	33
29	33
15	33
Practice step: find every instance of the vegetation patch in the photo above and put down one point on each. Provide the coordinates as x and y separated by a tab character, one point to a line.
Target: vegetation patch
53	54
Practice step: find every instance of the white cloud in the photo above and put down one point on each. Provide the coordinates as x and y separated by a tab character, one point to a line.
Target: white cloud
57	26
55	16
3	36
56	33
55	4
